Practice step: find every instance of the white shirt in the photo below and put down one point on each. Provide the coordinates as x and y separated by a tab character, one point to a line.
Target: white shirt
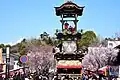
26	79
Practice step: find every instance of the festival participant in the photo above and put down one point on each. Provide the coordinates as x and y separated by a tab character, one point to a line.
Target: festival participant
66	26
71	29
94	76
1	78
85	75
53	50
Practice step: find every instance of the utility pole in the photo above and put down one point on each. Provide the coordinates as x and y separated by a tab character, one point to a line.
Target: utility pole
119	72
7	62
24	70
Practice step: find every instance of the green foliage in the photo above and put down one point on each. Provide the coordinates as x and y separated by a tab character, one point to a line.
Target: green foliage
46	39
49	41
44	35
7	45
2	45
21	48
34	41
88	38
56	42
19	62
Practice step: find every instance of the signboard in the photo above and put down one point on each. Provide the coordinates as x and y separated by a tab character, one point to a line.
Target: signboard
24	59
69	64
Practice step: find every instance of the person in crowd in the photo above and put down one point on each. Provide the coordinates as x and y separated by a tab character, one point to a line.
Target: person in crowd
18	76
60	47
85	74
94	76
22	76
15	76
1	78
63	77
85	77
53	50
65	29
71	29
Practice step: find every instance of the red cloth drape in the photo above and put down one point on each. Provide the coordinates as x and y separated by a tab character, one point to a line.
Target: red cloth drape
73	29
66	26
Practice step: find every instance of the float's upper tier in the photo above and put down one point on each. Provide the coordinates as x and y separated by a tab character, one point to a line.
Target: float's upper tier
69	8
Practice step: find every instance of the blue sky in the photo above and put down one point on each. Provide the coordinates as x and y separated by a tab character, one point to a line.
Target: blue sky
29	18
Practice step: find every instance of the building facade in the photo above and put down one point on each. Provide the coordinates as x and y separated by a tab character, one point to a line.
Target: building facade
13	61
113	43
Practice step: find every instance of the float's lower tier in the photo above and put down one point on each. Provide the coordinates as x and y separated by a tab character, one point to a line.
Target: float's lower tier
60	56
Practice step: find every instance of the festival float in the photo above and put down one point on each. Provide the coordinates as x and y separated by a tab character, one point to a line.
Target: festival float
66	54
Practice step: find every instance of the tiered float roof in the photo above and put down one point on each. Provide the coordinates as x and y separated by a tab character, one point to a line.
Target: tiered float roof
69	8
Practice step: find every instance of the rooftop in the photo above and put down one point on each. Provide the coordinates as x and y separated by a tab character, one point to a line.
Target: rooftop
69	8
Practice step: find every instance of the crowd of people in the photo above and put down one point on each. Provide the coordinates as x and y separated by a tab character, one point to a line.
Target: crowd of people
14	75
17	75
86	75
98	75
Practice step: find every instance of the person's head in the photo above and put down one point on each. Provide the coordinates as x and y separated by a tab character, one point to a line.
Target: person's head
15	73
66	24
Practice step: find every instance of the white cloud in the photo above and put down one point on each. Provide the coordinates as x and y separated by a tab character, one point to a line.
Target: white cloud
13	43
19	40
37	37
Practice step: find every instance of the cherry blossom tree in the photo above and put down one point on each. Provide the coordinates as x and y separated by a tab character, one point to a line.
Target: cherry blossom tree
40	58
98	57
